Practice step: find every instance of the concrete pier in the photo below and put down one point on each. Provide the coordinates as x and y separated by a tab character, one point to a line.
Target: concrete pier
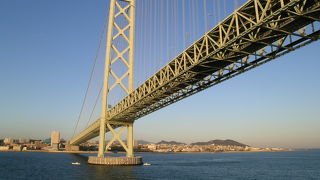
115	161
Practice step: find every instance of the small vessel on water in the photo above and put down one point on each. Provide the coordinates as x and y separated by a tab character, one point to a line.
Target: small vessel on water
146	164
75	163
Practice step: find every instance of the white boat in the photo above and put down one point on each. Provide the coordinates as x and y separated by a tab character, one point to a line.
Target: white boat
146	164
75	163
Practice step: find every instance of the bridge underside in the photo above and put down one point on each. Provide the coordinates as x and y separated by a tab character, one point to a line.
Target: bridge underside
256	33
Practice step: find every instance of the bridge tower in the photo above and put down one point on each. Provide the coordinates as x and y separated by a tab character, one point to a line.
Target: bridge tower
121	25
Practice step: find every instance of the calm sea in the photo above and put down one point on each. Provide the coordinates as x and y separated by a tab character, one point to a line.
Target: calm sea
262	165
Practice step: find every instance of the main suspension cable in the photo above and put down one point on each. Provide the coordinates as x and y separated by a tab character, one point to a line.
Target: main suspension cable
92	72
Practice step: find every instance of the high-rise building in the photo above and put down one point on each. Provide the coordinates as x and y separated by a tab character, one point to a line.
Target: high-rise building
8	141
55	140
24	141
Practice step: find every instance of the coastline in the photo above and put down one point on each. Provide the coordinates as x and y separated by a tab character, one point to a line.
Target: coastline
95	152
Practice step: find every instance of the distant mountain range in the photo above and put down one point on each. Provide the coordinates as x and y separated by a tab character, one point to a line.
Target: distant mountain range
170	142
227	142
143	142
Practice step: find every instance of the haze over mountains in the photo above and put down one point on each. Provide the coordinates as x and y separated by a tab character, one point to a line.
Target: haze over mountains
170	142
227	142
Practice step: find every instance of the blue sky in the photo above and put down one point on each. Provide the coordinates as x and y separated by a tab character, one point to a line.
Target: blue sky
46	54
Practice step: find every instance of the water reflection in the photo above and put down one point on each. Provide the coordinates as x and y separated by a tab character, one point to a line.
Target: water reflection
105	172
115	172
264	165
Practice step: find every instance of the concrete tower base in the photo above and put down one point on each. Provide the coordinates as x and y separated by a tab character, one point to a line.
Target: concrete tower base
115	161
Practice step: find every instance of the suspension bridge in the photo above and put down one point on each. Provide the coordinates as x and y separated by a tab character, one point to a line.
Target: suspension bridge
253	34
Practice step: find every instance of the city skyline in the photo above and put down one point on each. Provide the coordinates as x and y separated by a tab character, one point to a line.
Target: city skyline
44	68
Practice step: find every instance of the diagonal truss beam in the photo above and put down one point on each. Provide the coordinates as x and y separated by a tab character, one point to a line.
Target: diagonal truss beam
256	33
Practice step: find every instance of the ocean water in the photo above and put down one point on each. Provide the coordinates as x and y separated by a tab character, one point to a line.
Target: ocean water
261	165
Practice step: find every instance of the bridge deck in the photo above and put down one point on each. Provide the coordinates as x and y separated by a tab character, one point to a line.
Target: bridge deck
259	31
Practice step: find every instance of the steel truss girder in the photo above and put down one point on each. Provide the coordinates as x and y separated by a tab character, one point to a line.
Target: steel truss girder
256	33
